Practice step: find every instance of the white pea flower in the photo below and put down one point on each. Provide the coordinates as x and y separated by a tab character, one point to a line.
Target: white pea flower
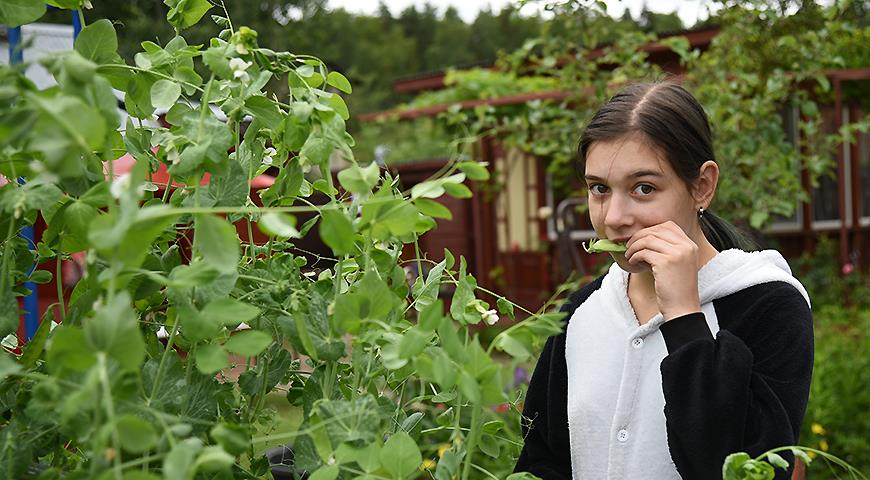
239	66
269	153
490	317
120	185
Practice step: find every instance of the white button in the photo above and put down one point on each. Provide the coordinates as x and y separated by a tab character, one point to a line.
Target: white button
622	435
637	343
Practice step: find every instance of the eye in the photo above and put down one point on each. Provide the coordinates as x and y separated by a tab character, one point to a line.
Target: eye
598	189
644	189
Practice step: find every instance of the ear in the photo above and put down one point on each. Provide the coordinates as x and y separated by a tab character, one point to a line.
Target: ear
705	184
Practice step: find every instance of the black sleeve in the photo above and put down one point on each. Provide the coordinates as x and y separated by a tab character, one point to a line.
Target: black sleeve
546	448
733	394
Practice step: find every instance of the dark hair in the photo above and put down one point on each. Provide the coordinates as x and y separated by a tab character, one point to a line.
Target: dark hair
670	118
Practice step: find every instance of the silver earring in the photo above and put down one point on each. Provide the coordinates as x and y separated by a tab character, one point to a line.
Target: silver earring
700	212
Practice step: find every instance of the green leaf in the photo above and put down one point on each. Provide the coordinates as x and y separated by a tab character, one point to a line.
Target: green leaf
235	439
278	225
248	343
14	13
469	387
336	231
135	434
194	326
98	42
212	459
196	274
522	476
296	132
474	170
357	420
40	277
217	241
431	317
35	347
164	93
317	150
359	180
400	455
230	312
505	306
457	190
78	216
427	294
513	347
179	463
337	104
265	109
433	208
186	13
114	329
211	358
8	366
68	350
413	341
757	218
339	81
428	189
489	446
732	469
327	472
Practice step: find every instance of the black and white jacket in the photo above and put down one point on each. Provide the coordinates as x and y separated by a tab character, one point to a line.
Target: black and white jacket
613	399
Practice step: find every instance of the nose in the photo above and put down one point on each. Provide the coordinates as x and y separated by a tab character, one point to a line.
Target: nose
617	214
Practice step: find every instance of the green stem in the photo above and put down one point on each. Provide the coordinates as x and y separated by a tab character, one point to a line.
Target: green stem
166	190
250	239
328	379
4	274
262	397
227	16
472	440
157	377
110	412
58	277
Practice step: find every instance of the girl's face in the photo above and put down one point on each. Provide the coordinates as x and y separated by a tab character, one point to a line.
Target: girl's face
632	187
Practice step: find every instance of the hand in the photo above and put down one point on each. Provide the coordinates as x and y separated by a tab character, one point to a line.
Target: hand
673	259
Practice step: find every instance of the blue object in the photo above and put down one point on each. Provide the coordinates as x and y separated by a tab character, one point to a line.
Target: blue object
16	55
77	24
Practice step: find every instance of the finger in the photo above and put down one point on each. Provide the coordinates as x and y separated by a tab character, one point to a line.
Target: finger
650	241
650	257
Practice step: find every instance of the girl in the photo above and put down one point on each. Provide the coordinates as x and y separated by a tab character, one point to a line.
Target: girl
689	348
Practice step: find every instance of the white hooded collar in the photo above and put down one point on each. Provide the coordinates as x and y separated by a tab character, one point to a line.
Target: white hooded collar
733	270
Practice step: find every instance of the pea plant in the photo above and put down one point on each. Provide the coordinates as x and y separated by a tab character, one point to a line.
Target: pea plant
131	378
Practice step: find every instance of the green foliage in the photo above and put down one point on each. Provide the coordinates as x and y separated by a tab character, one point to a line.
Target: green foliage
766	61
99	396
835	419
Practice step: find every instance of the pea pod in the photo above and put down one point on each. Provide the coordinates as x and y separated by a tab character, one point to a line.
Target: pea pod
604	245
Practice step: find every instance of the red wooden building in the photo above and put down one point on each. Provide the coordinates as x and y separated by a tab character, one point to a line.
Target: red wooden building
524	240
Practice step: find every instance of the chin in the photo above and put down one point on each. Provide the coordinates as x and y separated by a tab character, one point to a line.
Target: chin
630	268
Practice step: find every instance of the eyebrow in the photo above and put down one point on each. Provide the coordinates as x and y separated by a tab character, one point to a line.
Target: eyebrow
636	174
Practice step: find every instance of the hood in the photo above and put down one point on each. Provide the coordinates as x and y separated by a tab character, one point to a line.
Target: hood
733	270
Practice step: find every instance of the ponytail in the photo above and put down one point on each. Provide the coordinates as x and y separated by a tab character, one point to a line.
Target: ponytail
723	235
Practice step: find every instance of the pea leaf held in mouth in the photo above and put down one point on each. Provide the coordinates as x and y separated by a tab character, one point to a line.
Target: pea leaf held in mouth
604	245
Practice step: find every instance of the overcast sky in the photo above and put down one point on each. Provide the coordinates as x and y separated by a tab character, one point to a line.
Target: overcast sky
689	11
